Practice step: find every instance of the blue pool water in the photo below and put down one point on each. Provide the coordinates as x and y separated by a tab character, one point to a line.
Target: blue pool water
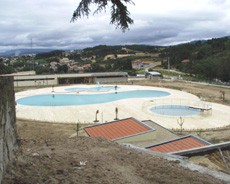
92	89
85	99
174	110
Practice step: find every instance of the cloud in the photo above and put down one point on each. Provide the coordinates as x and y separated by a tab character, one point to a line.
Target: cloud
163	22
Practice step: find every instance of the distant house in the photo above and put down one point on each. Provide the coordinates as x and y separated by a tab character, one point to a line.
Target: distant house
64	61
145	63
137	64
140	64
185	61
153	75
73	68
53	65
87	66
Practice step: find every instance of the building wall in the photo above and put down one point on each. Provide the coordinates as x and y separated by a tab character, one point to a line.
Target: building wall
108	80
34	80
49	80
154	77
8	134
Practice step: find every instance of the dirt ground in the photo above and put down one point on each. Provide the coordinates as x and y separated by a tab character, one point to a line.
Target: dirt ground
47	154
208	93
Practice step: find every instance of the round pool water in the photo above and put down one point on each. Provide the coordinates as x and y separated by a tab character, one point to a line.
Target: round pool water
174	110
86	99
93	89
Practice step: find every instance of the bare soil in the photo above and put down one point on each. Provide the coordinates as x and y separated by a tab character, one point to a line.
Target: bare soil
47	154
210	93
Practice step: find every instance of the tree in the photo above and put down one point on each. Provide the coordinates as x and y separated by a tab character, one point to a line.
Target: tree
180	122
119	13
5	69
42	70
62	68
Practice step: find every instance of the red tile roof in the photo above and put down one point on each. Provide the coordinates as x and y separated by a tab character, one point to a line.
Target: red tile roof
182	143
118	129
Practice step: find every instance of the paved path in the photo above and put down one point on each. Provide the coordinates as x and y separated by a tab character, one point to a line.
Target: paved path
219	116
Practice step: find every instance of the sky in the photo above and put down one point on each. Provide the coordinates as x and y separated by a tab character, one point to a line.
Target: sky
46	24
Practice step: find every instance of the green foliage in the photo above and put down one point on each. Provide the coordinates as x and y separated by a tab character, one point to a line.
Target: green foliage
19	64
208	59
26	68
216	66
42	61
122	64
55	53
42	70
101	51
62	68
95	67
6	69
75	56
119	13
143	48
132	72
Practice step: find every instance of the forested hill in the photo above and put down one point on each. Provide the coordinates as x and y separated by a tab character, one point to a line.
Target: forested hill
209	59
103	50
206	59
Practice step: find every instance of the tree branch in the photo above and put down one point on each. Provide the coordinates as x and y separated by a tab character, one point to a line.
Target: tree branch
119	12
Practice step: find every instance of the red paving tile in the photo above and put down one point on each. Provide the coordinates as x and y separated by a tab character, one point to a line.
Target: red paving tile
117	129
185	143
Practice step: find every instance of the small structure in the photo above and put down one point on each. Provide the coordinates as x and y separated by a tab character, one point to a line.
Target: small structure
72	78
185	61
118	129
179	144
138	64
132	131
153	75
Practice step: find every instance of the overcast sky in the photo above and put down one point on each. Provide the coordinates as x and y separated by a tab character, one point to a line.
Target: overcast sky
156	22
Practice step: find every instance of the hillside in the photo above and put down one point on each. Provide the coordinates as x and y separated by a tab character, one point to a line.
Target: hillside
203	60
48	155
206	59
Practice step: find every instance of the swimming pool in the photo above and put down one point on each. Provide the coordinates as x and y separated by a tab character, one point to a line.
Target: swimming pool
93	89
86	99
174	110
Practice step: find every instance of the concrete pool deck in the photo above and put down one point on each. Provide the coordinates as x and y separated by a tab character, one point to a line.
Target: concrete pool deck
138	108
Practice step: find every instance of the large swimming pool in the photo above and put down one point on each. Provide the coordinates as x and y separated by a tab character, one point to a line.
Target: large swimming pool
86	99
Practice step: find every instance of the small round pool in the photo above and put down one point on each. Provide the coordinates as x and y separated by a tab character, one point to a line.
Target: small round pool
174	110
93	89
86	99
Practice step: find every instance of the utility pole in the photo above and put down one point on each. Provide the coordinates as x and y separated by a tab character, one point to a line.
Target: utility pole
168	63
31	49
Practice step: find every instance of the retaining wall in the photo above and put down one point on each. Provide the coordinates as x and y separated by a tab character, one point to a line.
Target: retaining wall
8	134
